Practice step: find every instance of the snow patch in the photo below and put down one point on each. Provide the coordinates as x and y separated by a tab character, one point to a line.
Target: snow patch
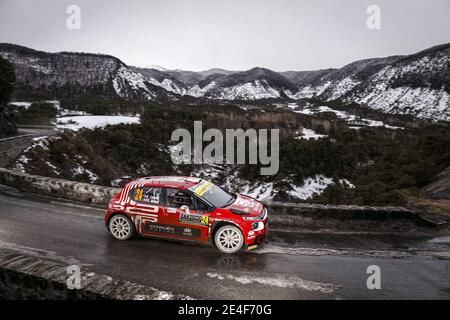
309	134
300	251
346	184
197	92
266	190
258	89
77	122
276	280
127	83
22	104
311	91
168	85
80	170
353	120
311	186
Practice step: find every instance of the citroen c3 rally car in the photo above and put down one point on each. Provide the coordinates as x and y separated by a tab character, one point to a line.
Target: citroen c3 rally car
187	208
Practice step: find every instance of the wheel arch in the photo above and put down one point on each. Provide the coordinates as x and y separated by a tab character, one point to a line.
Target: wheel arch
115	213
218	224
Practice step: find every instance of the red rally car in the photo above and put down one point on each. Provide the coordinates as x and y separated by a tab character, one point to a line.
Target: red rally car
187	208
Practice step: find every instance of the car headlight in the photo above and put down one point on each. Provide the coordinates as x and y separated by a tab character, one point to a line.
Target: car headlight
257	226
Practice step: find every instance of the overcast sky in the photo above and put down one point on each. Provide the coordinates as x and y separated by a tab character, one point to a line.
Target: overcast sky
231	34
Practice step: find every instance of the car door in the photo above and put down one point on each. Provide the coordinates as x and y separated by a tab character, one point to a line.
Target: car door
186	217
145	208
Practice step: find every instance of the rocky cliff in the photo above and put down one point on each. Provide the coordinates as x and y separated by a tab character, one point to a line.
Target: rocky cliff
76	75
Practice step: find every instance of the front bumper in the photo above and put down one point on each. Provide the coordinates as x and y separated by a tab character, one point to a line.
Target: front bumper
252	247
259	239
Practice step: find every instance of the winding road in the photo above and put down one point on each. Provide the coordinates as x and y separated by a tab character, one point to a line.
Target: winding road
291	266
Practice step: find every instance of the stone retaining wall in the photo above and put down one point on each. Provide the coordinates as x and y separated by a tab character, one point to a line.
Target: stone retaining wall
12	147
26	276
345	217
60	188
282	215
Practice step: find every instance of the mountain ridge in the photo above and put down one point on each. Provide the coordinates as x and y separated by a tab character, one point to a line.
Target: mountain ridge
417	84
68	74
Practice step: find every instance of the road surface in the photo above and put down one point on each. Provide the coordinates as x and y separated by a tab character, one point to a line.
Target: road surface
37	131
291	266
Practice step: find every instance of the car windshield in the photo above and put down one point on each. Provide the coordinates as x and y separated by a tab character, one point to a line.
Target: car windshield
213	194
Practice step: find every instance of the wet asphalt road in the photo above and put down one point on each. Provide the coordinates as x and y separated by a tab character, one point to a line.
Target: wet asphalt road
291	266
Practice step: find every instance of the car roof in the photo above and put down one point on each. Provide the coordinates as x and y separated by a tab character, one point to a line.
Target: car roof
179	182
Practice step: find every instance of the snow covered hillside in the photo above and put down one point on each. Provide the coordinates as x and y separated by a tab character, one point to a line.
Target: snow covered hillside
77	75
416	84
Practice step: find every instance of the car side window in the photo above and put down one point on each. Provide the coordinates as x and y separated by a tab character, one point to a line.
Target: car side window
146	194
201	205
177	198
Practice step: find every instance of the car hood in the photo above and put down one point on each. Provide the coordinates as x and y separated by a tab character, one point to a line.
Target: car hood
246	205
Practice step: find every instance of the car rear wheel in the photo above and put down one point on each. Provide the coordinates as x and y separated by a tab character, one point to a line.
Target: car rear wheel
229	239
121	227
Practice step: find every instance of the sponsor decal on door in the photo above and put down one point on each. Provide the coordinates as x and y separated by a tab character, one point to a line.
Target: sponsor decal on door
174	230
195	219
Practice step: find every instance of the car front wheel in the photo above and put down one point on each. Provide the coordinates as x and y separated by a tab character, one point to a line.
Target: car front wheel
121	227
229	239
